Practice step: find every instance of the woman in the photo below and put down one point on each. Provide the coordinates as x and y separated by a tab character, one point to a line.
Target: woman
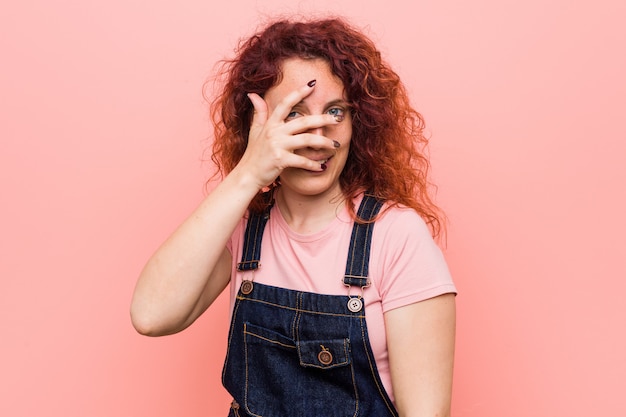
342	304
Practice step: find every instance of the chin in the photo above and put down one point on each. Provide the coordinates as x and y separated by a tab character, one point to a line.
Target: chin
311	187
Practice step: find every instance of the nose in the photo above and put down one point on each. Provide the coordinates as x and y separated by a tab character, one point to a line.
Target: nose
316	131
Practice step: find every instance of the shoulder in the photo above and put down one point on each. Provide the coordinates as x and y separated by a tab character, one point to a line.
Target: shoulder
401	236
408	265
400	222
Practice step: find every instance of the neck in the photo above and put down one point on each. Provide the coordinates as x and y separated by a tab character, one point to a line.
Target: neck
309	214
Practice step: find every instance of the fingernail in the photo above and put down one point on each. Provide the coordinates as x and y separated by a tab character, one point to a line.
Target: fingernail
336	144
311	83
323	166
339	117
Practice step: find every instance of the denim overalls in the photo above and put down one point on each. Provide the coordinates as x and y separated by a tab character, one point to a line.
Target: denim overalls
302	354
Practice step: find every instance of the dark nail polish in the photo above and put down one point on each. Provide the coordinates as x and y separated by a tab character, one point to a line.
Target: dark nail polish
311	83
336	144
323	166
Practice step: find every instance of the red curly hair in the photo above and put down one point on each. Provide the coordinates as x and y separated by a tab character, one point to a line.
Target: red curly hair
387	153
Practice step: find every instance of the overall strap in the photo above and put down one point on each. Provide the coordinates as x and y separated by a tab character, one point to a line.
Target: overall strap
251	255
357	265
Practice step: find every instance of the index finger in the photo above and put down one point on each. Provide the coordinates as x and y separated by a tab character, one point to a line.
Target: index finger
281	111
260	109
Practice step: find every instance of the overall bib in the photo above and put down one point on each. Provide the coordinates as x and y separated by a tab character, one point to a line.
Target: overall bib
302	354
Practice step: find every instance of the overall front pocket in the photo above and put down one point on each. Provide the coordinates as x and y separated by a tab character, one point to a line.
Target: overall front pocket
309	378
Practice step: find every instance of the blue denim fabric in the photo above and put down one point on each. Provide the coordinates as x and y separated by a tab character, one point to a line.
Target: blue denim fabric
301	354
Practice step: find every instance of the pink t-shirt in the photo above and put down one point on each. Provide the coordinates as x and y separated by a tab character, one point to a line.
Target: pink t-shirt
406	266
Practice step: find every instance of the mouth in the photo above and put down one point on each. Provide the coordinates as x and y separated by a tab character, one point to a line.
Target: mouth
319	158
323	161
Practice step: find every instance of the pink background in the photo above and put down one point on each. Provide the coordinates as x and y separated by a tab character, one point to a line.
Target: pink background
103	129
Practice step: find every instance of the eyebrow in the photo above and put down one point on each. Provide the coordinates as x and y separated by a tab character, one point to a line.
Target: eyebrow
331	103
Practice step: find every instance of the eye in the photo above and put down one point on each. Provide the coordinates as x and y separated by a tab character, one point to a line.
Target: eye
337	111
292	115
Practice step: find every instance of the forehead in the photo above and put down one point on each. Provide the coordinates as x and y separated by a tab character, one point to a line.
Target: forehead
297	72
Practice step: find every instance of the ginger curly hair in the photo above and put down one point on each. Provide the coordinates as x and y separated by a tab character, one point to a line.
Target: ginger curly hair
388	151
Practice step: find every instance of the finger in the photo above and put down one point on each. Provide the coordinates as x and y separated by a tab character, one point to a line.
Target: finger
299	161
310	140
283	108
302	124
260	109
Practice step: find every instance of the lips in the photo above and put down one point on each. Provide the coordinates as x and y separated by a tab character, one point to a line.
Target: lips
322	160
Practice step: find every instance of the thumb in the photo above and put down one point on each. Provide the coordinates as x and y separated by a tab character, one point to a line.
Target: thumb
260	109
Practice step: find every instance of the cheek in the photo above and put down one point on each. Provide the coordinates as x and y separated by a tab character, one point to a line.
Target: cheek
346	128
344	150
341	133
346	136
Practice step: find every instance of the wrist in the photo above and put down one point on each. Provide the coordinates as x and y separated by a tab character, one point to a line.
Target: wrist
246	183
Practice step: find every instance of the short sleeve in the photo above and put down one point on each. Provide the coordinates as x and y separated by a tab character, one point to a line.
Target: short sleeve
408	265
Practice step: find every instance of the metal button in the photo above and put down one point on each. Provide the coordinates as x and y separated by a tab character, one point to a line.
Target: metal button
325	357
246	287
355	304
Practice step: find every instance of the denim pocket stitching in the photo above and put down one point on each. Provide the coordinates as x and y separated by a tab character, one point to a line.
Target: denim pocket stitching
309	360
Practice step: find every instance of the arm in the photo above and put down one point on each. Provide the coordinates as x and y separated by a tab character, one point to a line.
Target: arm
192	267
420	340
